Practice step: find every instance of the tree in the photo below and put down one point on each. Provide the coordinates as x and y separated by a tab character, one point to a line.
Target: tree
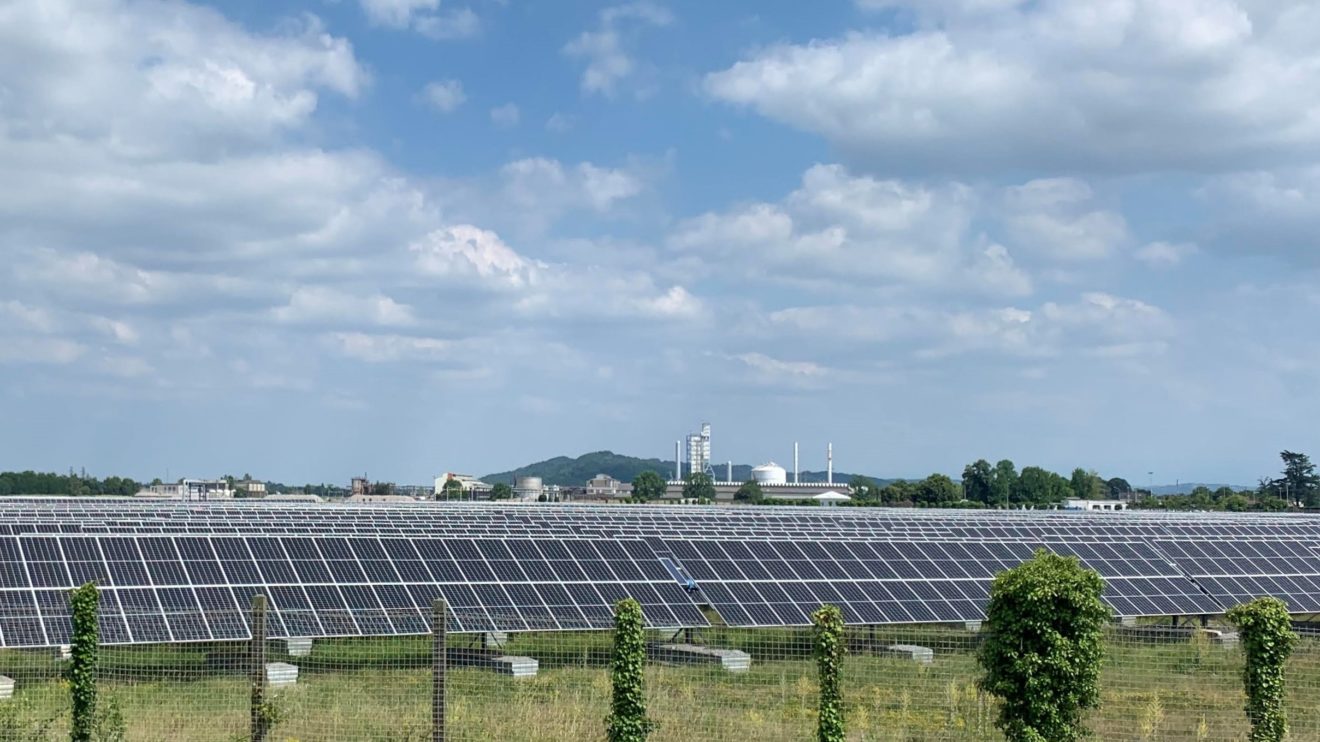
938	489
698	486
863	489
1268	639
1118	486
1036	486
977	481
627	721
1003	482
1042	654
1299	483
81	672
898	491
648	486
451	490
501	491
749	492
1086	485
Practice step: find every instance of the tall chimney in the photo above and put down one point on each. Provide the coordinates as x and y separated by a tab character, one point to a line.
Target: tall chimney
728	472
829	463
678	460
795	462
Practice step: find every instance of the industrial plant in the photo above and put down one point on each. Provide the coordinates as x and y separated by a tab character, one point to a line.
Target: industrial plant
772	478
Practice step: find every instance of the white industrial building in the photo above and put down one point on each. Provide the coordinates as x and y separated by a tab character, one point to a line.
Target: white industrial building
470	484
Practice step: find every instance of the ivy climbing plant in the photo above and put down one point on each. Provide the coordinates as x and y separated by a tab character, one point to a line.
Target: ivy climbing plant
1267	637
1042	655
827	634
628	722
81	671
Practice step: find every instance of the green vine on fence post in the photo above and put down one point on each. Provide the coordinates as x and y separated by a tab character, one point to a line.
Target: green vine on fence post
1266	633
828	646
628	722
81	671
1042	654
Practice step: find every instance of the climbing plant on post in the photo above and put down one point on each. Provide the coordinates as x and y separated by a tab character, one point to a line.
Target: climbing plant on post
81	672
1265	630
628	722
827	631
1043	651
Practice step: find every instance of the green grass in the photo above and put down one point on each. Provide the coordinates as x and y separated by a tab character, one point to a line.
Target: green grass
379	689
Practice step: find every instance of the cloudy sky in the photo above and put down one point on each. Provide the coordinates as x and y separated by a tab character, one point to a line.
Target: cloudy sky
313	238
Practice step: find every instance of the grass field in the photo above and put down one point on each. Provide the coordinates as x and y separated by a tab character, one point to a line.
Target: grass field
379	689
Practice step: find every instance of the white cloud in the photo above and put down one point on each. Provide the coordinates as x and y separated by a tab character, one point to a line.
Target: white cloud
325	304
608	61
505	116
444	96
1165	254
843	227
465	251
1055	217
559	122
39	350
145	79
389	348
424	17
775	367
540	183
1130	85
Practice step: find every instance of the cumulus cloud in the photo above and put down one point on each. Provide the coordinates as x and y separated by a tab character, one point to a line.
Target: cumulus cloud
1165	254
317	304
506	116
444	96
608	61
845	227
423	16
1053	85
1057	217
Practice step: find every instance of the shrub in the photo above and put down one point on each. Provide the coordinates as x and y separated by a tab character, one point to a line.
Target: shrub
828	643
628	722
1042	655
1267	639
81	672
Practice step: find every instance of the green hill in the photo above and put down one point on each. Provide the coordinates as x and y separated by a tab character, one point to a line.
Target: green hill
569	472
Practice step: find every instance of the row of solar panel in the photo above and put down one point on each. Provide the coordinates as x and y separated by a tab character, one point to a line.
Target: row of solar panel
185	614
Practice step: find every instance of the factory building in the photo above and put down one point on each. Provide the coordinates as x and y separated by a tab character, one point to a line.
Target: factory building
470	484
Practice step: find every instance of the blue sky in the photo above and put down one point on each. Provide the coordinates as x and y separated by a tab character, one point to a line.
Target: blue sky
312	239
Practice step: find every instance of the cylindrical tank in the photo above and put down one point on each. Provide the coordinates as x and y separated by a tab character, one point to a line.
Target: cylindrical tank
770	473
528	487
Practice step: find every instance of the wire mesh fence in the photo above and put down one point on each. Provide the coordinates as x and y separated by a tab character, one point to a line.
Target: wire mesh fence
900	683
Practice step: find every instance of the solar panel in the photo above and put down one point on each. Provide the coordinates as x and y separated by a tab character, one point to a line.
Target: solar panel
187	571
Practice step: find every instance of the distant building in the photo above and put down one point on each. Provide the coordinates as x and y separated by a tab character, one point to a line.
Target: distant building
605	486
251	488
470	484
359	486
190	490
1094	505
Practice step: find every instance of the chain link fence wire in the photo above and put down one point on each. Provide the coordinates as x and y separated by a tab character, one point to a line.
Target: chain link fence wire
901	683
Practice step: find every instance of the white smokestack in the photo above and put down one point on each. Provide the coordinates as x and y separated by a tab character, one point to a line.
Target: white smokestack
829	463
728	472
795	462
678	460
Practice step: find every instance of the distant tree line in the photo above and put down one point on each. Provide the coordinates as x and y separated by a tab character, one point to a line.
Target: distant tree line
985	485
77	484
1299	486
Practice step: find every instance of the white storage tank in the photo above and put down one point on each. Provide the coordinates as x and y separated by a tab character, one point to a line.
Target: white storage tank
528	488
770	473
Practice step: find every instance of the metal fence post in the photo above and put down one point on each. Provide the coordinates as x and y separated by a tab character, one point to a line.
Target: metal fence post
257	660
439	618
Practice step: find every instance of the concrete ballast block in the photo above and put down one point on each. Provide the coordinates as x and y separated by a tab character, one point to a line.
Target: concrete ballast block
1220	637
504	664
918	654
6	687
732	660
298	646
280	674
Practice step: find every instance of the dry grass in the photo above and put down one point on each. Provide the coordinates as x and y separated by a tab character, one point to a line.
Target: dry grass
380	690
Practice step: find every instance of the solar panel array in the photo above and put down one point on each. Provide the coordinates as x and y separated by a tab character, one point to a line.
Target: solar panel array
179	572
